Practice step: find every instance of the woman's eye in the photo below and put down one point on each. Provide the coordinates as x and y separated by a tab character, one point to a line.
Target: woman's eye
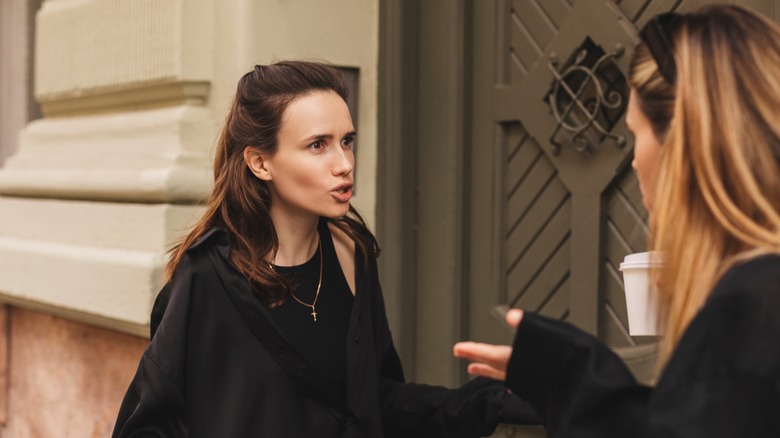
317	145
348	142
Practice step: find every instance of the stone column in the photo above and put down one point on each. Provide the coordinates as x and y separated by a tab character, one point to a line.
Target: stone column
103	184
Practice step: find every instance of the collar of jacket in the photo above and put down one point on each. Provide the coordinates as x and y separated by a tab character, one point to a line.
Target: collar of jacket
219	237
261	324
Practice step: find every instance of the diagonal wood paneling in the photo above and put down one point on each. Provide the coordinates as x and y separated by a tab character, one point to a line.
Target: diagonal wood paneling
639	11
537	218
626	233
550	283
555	10
532	262
523	49
525	29
558	305
529	15
565	216
633	9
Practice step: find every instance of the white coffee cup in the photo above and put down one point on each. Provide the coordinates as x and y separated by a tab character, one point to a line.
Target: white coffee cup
641	293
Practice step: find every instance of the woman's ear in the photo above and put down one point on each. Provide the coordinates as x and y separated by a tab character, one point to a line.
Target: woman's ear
257	163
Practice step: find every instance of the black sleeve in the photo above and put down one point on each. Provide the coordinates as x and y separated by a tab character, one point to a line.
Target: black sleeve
418	410
473	410
154	405
721	382
158	309
575	382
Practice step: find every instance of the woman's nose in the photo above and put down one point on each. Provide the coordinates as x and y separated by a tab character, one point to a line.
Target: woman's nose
343	162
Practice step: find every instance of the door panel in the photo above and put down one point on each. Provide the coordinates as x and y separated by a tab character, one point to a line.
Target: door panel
551	187
625	232
518	190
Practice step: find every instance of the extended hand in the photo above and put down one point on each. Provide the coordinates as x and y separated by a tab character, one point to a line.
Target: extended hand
488	360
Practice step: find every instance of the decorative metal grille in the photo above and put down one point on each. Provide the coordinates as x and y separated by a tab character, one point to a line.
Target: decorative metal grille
587	97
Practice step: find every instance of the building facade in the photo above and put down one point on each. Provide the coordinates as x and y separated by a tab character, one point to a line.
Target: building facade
487	184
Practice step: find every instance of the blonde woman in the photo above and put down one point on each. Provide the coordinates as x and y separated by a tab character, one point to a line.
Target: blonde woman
705	114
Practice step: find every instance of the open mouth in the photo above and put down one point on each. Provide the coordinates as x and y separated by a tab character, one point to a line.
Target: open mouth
343	193
344	188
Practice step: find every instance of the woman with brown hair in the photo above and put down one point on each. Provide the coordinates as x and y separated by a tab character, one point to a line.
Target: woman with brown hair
271	322
704	111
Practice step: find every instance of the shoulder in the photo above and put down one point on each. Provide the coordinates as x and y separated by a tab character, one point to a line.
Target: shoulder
345	252
746	299
738	326
212	248
197	270
357	243
736	330
197	260
759	272
341	240
214	237
755	281
208	257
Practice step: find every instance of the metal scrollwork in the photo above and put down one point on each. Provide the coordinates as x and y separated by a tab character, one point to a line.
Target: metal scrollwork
584	107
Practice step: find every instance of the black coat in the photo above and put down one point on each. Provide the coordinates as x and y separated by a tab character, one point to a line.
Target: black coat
723	379
217	366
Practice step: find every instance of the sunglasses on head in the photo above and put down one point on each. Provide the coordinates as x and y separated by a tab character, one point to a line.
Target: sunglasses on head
657	34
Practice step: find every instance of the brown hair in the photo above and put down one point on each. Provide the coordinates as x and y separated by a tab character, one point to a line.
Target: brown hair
240	202
654	94
718	190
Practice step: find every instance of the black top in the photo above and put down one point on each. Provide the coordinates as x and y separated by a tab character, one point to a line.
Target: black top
723	379
218	366
323	343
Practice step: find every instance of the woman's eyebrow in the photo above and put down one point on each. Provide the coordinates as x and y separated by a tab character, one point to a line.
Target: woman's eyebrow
318	137
328	136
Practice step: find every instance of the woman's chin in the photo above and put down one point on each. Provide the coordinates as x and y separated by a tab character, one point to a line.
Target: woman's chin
337	213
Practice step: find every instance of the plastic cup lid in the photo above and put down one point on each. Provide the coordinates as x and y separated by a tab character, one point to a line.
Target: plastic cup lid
641	260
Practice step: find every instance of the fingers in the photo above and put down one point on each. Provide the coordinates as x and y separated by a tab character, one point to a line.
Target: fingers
513	317
480	369
496	356
489	360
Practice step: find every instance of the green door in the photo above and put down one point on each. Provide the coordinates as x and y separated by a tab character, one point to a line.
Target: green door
505	177
550	165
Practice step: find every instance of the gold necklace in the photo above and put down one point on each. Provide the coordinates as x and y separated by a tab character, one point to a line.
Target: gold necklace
319	284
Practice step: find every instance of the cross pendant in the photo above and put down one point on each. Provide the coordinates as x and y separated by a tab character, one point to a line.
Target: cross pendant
314	314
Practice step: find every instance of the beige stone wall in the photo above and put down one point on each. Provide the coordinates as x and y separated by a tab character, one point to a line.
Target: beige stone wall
104	183
133	93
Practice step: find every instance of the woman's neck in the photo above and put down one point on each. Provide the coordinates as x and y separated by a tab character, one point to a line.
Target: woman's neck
298	240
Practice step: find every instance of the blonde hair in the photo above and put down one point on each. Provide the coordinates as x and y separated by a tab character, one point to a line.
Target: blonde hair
718	190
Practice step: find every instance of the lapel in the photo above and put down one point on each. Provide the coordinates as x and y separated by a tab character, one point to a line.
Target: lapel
260	323
362	383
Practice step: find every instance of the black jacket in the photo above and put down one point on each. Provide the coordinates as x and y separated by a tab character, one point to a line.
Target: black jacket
723	379
217	366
